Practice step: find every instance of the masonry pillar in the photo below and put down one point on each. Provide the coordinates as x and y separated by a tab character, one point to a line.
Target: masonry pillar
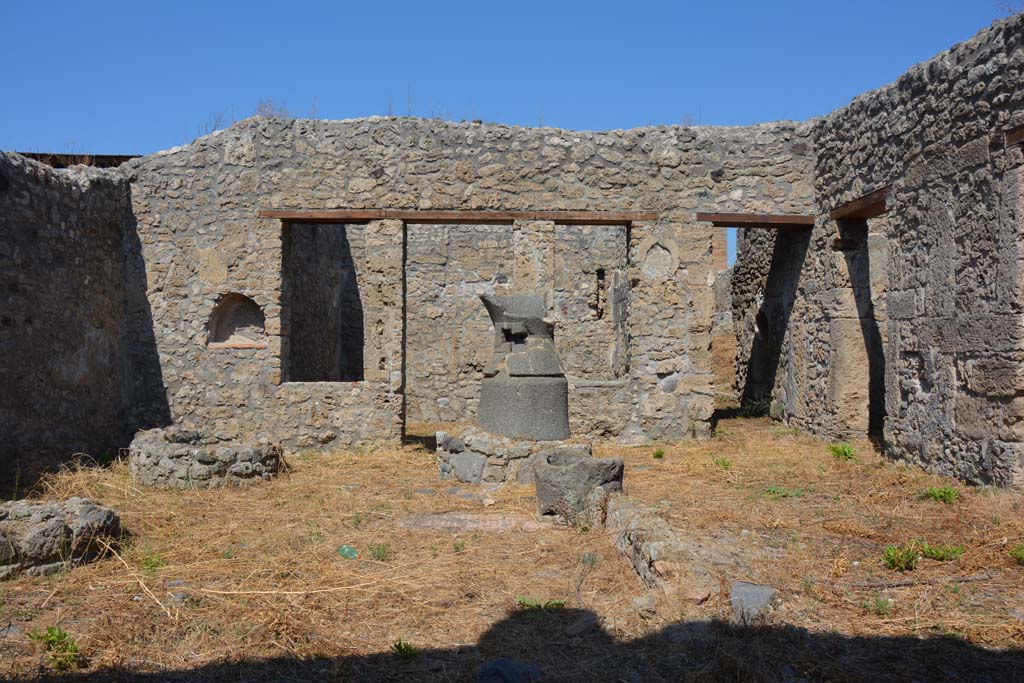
671	306
383	299
533	255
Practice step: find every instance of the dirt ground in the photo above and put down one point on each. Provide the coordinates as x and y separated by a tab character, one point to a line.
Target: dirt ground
249	584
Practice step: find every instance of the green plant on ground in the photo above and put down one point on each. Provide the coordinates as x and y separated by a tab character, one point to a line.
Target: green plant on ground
778	492
901	558
841	451
724	463
1017	553
404	649
379	551
536	606
62	648
943	553
659	454
459	546
942	494
151	562
877	604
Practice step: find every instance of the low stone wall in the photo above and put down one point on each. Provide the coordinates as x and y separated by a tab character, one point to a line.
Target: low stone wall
475	457
179	458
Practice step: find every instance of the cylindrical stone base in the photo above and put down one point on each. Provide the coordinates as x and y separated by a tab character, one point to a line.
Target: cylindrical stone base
535	408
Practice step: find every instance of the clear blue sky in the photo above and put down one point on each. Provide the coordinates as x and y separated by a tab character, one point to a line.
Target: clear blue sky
136	77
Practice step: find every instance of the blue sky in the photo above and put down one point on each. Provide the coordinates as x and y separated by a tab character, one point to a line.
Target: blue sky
136	77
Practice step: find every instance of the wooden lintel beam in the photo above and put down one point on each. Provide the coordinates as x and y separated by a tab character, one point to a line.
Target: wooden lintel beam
757	220
468	216
869	206
1015	136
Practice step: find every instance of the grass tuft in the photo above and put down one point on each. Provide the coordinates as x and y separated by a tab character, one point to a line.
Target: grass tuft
405	650
528	605
942	494
876	604
942	553
841	451
62	648
779	492
901	558
381	552
1017	553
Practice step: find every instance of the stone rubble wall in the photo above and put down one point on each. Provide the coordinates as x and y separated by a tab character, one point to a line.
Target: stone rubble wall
39	538
475	456
178	458
936	282
62	292
641	370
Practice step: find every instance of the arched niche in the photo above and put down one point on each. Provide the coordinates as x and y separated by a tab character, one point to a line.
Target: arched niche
237	323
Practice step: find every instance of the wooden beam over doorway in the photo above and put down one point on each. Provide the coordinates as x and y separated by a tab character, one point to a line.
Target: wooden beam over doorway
774	221
454	216
869	206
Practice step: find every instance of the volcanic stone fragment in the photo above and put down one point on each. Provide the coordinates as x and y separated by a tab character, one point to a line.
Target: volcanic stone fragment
523	393
574	487
43	537
750	602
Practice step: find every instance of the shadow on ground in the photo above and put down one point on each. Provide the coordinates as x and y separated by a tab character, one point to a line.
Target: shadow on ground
690	651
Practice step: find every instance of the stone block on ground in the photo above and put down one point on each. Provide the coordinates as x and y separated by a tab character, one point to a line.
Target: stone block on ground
181	458
39	538
576	487
750	602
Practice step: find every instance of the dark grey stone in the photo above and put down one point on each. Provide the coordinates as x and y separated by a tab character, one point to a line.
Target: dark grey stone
567	483
535	408
750	602
40	538
508	671
523	393
468	467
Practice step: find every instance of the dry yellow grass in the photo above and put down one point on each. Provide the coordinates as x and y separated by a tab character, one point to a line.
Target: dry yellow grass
815	527
247	584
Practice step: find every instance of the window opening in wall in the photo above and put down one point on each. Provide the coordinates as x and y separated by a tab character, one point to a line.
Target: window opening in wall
602	294
322	312
237	322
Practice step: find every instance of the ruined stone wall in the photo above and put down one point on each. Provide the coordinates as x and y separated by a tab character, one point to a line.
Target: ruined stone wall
62	294
936	282
200	239
638	345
